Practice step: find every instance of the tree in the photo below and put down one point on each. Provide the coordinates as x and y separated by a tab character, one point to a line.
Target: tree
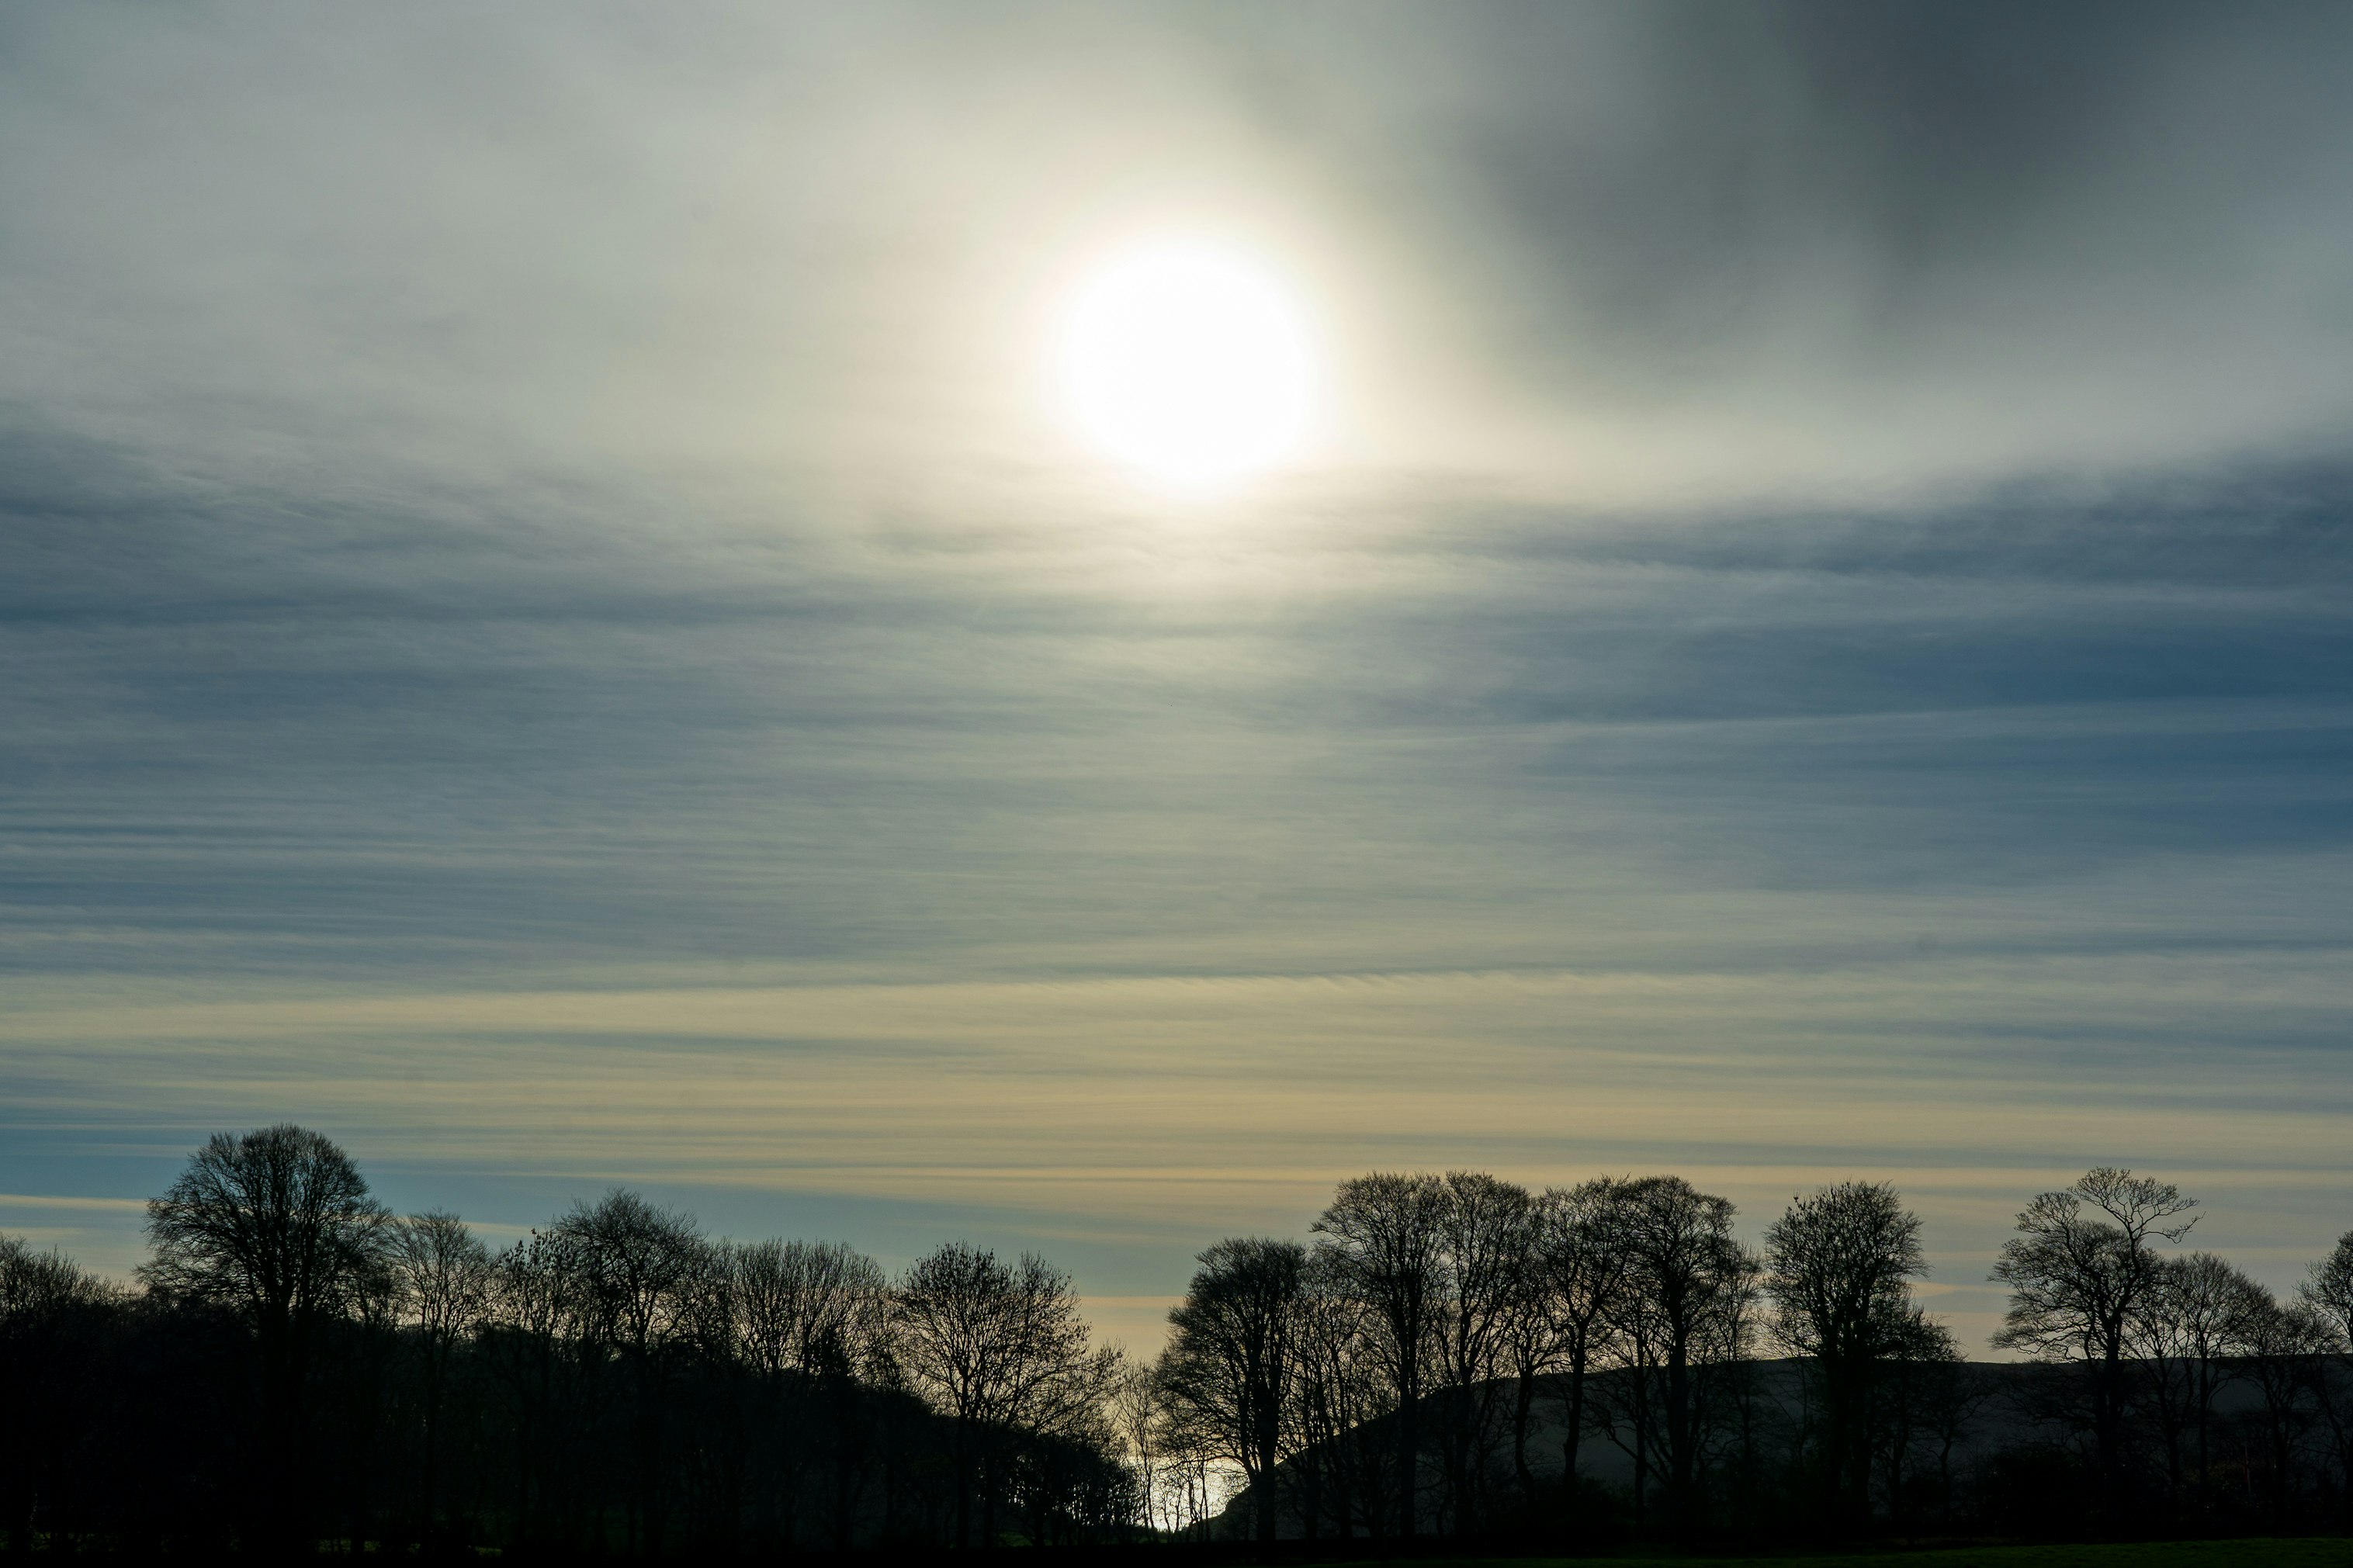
441	1277
1685	1317
811	1321
2327	1289
1579	1277
277	1227
2328	1294
805	1306
1384	1239
543	1338
1485	1228
642	1267
1140	1422
1839	1267
1345	1451
47	1303
37	1286
2076	1279
2285	1344
1924	1390
1001	1350
2200	1312
1231	1358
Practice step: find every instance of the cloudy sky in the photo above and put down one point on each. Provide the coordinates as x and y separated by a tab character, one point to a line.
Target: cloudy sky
552	626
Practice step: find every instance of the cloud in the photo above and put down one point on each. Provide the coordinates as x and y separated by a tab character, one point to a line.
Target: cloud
1828	248
1126	1122
551	632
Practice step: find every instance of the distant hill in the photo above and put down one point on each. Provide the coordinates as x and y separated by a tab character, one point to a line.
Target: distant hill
1761	1412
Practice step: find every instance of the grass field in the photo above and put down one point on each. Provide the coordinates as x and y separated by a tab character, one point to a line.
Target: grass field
2308	1554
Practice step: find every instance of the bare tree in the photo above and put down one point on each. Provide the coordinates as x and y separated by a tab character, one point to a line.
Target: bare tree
2327	1293
544	1339
1486	1242
35	1286
1840	1263
277	1226
811	1321
801	1306
1533	1352
1924	1392
1581	1269
1341	1391
616	1383
642	1266
2285	1344
2327	1289
1190	1481
1141	1423
998	1349
2081	1264
45	1299
1231	1361
2184	1331
441	1277
1685	1319
1382	1237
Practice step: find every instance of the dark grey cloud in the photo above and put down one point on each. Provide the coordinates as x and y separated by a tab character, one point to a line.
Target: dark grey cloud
1933	239
310	733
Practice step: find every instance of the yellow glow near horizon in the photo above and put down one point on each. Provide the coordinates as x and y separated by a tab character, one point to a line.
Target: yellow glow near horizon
1189	363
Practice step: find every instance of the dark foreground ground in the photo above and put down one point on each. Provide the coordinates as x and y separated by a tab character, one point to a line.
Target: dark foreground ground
2262	1553
2332	1551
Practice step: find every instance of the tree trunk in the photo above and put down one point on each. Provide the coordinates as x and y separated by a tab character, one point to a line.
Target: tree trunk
1574	1438
1268	1443
1679	1441
2205	1391
963	1454
1523	1399
1409	1454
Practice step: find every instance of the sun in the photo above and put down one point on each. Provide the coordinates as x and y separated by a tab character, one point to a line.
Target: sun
1190	362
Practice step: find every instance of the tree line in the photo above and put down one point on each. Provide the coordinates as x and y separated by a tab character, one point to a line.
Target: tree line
296	1367
1396	1374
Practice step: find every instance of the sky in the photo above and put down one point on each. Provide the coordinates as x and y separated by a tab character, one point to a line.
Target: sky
552	628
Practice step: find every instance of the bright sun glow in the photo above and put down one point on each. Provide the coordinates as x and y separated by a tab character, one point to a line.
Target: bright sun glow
1187	362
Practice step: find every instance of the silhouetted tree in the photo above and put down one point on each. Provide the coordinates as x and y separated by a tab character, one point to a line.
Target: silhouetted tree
544	1338
1486	1243
1232	1357
1384	1238
2080	1265
1141	1424
2327	1293
1580	1275
1341	1391
442	1277
812	1322
1684	1320
1839	1267
49	1307
1922	1396
1002	1351
641	1266
2285	1344
2199	1313
2327	1289
618	1383
277	1227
